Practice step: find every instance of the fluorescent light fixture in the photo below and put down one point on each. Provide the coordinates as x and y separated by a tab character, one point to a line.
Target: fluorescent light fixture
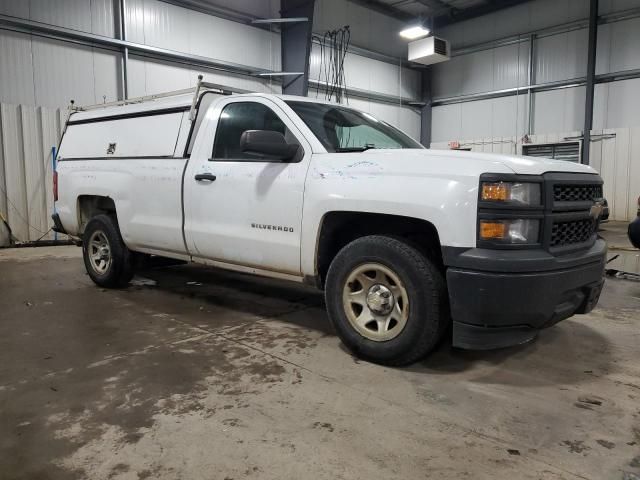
414	32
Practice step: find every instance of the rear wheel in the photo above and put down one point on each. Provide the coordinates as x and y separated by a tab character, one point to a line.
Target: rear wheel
107	259
386	300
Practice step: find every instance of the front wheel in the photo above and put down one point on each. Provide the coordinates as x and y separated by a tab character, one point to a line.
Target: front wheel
107	259
386	300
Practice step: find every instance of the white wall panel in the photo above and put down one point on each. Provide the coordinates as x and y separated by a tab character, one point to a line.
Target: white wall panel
617	104
50	126
62	71
134	17
74	14
562	56
166	26
16	73
211	37
159	24
103	18
27	134
497	117
515	20
509	116
106	76
510	66
446	78
446	123
618	46
33	171
94	16
475	119
50	72
3	196
15	186
149	76
617	158
163	76
559	110
623	109
483	71
610	6
477	72
15	8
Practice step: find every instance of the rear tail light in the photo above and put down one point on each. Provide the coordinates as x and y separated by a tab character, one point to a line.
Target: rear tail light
55	186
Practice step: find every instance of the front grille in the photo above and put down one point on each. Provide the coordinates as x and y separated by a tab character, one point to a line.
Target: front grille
576	193
568	233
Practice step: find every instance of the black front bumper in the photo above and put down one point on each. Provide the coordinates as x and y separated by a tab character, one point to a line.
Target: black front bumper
503	298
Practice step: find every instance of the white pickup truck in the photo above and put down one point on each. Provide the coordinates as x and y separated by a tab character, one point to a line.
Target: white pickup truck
406	242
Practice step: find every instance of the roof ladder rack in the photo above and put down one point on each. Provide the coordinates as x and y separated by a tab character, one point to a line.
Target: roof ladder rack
211	87
200	86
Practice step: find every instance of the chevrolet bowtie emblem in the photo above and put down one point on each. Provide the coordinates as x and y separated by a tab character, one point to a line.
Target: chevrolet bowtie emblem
596	210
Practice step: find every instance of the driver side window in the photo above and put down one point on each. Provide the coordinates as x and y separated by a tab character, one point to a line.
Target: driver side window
235	119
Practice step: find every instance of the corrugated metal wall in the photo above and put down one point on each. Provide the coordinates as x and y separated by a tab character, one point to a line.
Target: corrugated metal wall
48	72
159	24
27	134
557	57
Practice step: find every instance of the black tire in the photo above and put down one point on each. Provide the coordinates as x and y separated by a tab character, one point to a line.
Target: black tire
428	315
633	231
120	269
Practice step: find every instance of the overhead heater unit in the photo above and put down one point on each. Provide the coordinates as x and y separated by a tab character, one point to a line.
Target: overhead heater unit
430	50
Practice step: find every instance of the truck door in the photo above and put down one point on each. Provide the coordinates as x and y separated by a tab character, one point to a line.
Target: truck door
239	208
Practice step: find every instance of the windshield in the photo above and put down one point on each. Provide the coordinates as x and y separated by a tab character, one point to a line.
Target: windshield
342	129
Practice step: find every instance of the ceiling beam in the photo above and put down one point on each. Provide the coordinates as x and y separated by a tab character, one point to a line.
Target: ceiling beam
436	7
459	15
385	9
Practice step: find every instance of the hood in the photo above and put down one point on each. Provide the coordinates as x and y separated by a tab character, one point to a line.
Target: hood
474	161
519	164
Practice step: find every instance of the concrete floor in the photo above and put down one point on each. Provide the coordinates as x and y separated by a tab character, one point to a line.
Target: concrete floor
235	377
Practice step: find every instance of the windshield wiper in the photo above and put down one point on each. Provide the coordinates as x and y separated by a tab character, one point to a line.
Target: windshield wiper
364	148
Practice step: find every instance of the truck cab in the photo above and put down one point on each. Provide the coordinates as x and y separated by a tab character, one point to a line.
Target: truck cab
406	242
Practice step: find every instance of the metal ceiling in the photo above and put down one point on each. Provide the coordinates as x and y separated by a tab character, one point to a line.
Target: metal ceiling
436	12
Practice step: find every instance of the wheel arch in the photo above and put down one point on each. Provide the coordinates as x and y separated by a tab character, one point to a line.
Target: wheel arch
88	206
338	228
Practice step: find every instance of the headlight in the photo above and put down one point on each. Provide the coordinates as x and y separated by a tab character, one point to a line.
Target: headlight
510	231
517	193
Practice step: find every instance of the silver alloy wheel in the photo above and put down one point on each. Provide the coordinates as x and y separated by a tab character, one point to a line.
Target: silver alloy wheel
375	302
99	252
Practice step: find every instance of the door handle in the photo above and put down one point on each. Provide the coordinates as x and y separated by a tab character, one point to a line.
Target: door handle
200	177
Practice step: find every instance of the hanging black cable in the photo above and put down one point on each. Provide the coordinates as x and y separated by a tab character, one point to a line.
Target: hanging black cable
334	45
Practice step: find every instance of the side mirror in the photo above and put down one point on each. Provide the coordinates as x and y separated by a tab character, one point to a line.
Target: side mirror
269	143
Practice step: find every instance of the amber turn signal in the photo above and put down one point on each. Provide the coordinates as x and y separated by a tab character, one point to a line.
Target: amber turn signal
495	191
492	230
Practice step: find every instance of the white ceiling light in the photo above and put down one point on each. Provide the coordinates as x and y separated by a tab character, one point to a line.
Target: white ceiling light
414	32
